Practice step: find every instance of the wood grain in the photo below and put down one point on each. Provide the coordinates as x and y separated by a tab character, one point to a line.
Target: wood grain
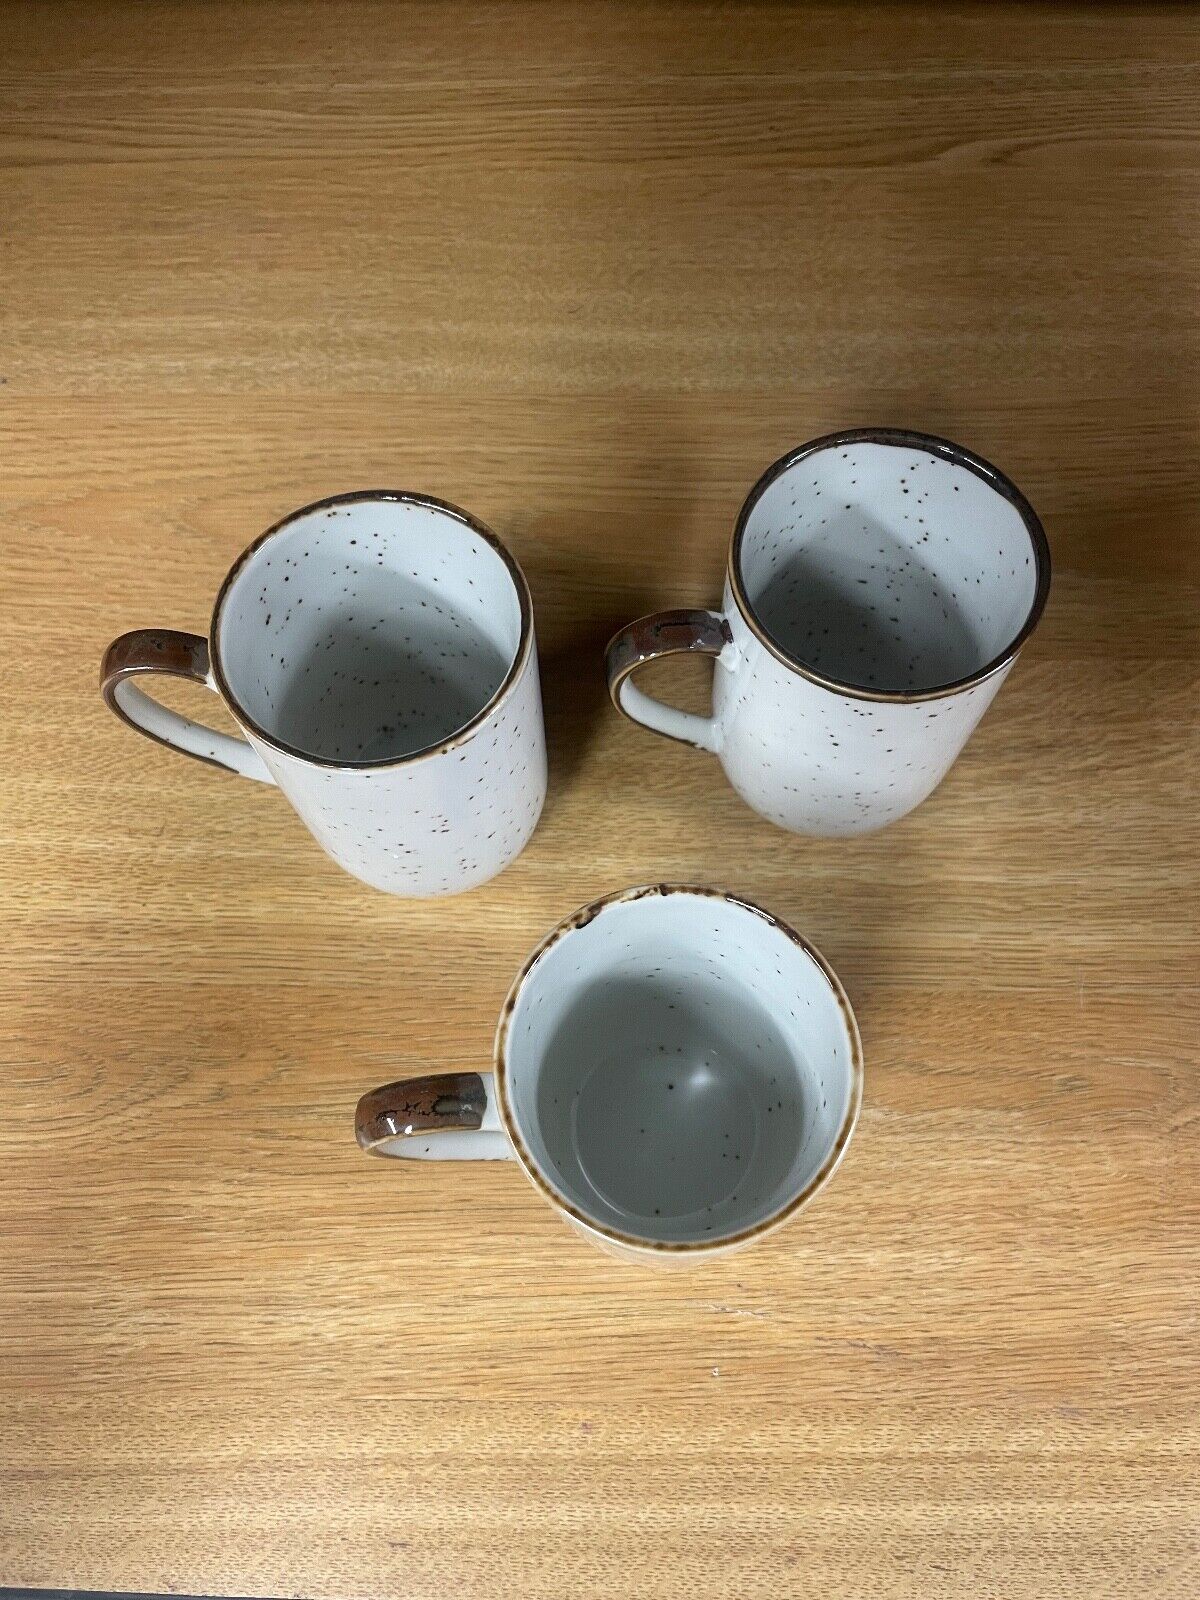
586	270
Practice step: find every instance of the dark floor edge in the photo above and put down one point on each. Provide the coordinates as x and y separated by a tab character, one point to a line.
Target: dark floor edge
19	1593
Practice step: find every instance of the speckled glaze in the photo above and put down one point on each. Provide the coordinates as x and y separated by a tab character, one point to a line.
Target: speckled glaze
377	651
880	585
677	1072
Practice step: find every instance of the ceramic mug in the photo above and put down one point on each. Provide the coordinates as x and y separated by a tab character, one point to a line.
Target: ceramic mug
675	1070
377	651
879	587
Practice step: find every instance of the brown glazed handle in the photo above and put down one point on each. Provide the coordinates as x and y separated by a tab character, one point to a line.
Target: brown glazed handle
666	633
133	657
446	1115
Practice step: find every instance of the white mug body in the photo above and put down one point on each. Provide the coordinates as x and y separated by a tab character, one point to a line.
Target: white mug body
819	761
378	652
441	824
880	585
677	1072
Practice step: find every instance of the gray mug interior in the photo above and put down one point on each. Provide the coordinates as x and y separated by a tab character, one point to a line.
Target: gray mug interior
679	1068
893	567
368	629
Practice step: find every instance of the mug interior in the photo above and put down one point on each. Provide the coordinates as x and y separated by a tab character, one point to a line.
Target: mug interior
678	1067
368	629
893	567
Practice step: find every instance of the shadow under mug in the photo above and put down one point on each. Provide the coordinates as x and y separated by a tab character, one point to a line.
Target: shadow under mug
676	1071
377	651
879	587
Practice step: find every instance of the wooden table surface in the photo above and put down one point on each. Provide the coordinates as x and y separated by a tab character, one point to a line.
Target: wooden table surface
587	270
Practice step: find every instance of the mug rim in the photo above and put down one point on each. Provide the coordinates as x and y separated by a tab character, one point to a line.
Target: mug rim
353	496
932	444
833	1159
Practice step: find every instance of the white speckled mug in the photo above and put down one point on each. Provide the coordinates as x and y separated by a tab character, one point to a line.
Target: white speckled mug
677	1072
377	651
880	584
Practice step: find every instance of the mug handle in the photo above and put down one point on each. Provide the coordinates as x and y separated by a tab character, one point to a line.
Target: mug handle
179	655
448	1116
665	633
